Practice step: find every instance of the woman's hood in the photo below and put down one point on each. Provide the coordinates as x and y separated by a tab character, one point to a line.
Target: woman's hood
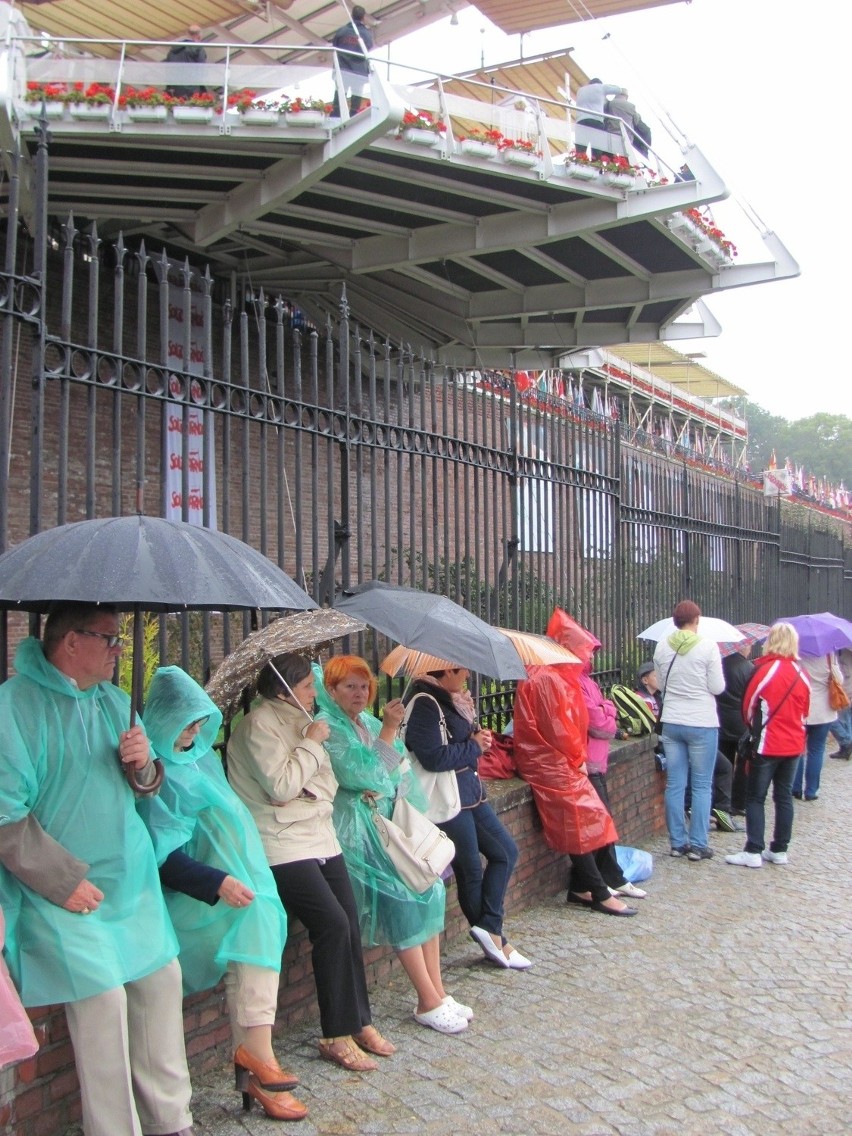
174	702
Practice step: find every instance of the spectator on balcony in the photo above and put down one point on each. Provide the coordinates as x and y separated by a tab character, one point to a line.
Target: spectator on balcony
353	42
590	101
638	131
188	50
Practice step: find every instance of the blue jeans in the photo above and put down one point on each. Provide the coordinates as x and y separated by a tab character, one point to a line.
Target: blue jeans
810	766
690	754
779	772
842	728
476	832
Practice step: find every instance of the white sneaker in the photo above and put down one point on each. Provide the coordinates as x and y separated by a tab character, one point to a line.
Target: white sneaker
443	1018
774	857
459	1008
745	859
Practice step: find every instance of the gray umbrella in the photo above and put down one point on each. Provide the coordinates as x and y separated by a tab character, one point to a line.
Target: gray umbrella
434	624
140	563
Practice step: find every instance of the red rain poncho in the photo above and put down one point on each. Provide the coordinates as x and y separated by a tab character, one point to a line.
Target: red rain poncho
550	747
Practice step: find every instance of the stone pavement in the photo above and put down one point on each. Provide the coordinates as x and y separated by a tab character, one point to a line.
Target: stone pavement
724	1007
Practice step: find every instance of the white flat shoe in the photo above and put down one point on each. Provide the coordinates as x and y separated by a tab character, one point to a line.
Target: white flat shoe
517	961
492	952
443	1018
459	1008
631	890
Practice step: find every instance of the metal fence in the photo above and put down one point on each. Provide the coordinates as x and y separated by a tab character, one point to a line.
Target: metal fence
345	459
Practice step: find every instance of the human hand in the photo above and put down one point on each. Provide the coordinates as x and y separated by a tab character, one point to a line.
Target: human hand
234	893
134	748
84	899
393	713
318	732
483	739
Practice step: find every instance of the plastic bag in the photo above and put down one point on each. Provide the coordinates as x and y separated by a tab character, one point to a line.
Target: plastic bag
636	864
17	1040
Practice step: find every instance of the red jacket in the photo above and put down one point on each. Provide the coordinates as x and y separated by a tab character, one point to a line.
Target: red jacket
776	703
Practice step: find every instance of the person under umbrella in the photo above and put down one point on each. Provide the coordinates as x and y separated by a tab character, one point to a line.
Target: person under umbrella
443	734
689	671
88	925
278	766
820	719
775	705
372	771
219	890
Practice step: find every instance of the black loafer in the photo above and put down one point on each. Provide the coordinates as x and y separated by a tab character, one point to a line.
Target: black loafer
596	905
572	897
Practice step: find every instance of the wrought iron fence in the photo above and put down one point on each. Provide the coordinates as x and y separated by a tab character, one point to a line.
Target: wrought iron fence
156	386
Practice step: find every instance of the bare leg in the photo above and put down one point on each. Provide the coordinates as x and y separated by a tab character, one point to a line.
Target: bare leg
432	957
414	963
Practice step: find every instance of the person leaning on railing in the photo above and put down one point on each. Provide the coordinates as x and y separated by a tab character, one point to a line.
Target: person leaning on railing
353	41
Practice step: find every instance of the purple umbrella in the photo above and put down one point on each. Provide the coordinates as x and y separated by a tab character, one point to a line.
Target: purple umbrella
821	633
751	633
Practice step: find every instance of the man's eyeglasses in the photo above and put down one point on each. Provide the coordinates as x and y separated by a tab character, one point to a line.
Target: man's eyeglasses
110	640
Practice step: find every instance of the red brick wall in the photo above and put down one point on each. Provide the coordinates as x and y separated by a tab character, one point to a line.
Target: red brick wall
40	1097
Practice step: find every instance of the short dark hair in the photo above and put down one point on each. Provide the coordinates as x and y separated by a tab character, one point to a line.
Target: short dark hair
358	13
64	617
291	667
685	612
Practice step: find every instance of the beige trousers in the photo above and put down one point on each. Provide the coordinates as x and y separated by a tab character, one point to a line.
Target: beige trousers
251	993
131	1061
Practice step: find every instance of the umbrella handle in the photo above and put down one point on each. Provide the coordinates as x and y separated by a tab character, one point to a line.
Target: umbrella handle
145	790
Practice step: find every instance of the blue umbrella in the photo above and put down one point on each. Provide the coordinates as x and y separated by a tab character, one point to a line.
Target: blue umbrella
820	634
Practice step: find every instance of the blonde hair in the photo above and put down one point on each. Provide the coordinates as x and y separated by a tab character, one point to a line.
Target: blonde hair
783	639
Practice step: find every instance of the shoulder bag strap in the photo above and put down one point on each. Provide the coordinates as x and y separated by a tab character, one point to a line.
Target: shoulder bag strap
442	721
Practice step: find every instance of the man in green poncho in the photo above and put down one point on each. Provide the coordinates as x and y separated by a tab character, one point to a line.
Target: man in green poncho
87	924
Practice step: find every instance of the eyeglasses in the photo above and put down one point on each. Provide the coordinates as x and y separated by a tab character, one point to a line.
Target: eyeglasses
198	722
455	670
110	640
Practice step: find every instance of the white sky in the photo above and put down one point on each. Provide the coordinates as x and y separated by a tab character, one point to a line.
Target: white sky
757	88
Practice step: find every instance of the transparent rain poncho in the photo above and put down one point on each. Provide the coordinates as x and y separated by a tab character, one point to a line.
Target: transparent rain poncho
59	761
197	811
390	913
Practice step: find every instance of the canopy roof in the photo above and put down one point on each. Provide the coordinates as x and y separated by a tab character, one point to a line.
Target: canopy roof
259	21
674	367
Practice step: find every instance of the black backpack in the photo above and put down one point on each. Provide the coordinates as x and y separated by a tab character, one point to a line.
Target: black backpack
633	713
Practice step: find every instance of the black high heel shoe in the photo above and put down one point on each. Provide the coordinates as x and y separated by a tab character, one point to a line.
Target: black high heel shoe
277	1106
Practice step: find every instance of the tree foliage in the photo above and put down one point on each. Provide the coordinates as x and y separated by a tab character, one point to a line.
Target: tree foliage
822	443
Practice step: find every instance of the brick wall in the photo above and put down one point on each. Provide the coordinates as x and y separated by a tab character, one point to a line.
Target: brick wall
40	1097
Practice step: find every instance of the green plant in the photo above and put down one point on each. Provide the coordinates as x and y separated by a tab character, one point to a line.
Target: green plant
150	651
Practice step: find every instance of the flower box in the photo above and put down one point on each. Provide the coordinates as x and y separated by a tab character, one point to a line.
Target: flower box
478	149
147	113
420	137
623	181
90	111
520	158
581	171
192	113
255	116
54	109
307	117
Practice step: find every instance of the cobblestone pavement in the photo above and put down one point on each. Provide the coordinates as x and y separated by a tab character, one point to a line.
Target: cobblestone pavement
724	1007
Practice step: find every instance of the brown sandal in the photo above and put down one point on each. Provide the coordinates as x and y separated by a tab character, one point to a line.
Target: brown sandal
344	1052
370	1039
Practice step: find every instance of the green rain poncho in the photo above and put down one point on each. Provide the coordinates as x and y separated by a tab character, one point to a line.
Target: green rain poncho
59	762
390	913
198	812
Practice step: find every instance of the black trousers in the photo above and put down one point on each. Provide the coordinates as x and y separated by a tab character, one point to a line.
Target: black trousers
605	858
320	895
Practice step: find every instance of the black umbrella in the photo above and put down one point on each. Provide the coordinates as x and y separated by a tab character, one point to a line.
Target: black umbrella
434	624
140	563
